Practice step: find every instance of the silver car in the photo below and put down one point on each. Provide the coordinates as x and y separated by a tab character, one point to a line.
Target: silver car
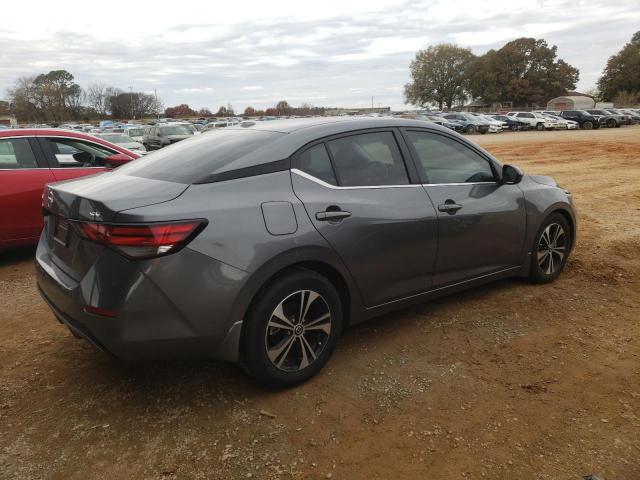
260	244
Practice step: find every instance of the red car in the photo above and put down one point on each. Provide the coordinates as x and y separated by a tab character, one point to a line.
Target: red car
31	158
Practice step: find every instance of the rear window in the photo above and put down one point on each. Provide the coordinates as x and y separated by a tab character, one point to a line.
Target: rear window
191	160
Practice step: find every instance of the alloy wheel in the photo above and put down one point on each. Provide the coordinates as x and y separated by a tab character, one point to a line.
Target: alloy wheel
298	330
551	248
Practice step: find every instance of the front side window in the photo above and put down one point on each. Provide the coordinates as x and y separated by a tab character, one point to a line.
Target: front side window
76	153
368	159
315	161
16	153
445	160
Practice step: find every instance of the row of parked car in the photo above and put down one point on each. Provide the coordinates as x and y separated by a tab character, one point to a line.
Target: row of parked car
473	122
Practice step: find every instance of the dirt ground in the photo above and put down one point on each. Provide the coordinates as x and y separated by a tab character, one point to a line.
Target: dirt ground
509	381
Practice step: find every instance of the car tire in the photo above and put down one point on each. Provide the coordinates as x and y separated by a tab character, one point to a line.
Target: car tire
470	129
284	342
550	250
611	123
588	125
540	127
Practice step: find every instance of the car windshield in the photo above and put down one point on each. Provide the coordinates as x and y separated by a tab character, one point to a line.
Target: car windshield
583	112
135	132
188	162
175	130
116	138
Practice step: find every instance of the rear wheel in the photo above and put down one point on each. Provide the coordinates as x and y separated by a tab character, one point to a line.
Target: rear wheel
588	125
611	123
550	249
292	330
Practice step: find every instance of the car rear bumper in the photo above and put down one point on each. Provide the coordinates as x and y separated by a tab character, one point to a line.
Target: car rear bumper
162	310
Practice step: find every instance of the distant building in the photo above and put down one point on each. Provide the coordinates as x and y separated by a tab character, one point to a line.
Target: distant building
355	111
571	101
8	121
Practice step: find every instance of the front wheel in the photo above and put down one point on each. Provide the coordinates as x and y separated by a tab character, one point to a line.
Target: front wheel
471	129
292	330
540	127
588	125
550	249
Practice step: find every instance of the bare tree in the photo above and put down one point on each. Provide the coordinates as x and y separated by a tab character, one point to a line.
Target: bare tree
97	98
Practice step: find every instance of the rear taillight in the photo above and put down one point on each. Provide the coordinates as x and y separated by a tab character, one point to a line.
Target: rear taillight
142	241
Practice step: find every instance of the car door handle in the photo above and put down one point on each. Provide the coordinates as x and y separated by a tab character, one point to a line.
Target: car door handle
332	215
449	206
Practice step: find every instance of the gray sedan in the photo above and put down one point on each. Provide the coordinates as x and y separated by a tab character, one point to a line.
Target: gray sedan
260	244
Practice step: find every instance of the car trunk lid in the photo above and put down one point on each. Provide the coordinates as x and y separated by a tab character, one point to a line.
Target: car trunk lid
96	199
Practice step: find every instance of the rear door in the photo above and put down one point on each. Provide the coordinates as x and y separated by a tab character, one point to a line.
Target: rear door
481	222
23	174
368	204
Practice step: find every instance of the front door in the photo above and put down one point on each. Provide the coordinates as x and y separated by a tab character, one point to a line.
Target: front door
481	222
71	157
357	193
22	180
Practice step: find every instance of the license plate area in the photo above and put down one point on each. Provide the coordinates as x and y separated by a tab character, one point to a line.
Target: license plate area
61	230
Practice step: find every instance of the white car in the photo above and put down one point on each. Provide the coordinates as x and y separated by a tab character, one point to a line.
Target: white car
534	120
123	140
136	133
563	123
495	126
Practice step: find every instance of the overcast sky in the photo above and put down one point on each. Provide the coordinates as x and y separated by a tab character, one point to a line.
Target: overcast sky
327	52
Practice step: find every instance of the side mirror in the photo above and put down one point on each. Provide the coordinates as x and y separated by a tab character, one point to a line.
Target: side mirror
511	174
117	159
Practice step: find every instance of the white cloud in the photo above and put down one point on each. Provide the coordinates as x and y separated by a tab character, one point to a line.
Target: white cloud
332	52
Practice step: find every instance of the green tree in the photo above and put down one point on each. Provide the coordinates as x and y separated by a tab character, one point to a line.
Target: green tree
58	96
283	108
438	75
622	72
225	111
524	71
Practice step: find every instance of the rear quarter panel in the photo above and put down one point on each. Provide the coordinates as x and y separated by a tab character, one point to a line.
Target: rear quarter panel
237	236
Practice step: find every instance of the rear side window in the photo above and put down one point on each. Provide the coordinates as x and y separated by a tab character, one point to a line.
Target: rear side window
445	160
315	161
368	159
16	153
191	160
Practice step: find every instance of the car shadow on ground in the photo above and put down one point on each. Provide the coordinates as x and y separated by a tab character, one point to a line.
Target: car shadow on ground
193	382
17	255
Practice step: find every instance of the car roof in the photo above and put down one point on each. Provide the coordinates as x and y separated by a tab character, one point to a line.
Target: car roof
295	133
337	124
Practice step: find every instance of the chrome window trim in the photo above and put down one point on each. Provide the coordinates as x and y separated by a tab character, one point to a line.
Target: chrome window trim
458	184
360	187
336	187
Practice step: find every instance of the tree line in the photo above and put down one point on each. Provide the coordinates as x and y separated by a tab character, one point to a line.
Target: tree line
282	108
56	97
525	72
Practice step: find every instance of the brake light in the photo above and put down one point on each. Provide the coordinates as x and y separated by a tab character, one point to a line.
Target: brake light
143	241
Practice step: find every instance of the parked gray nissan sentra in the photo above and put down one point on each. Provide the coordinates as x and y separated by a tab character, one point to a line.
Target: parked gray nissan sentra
261	244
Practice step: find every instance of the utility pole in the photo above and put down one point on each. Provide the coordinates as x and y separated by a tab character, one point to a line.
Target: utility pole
372	103
131	99
155	93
